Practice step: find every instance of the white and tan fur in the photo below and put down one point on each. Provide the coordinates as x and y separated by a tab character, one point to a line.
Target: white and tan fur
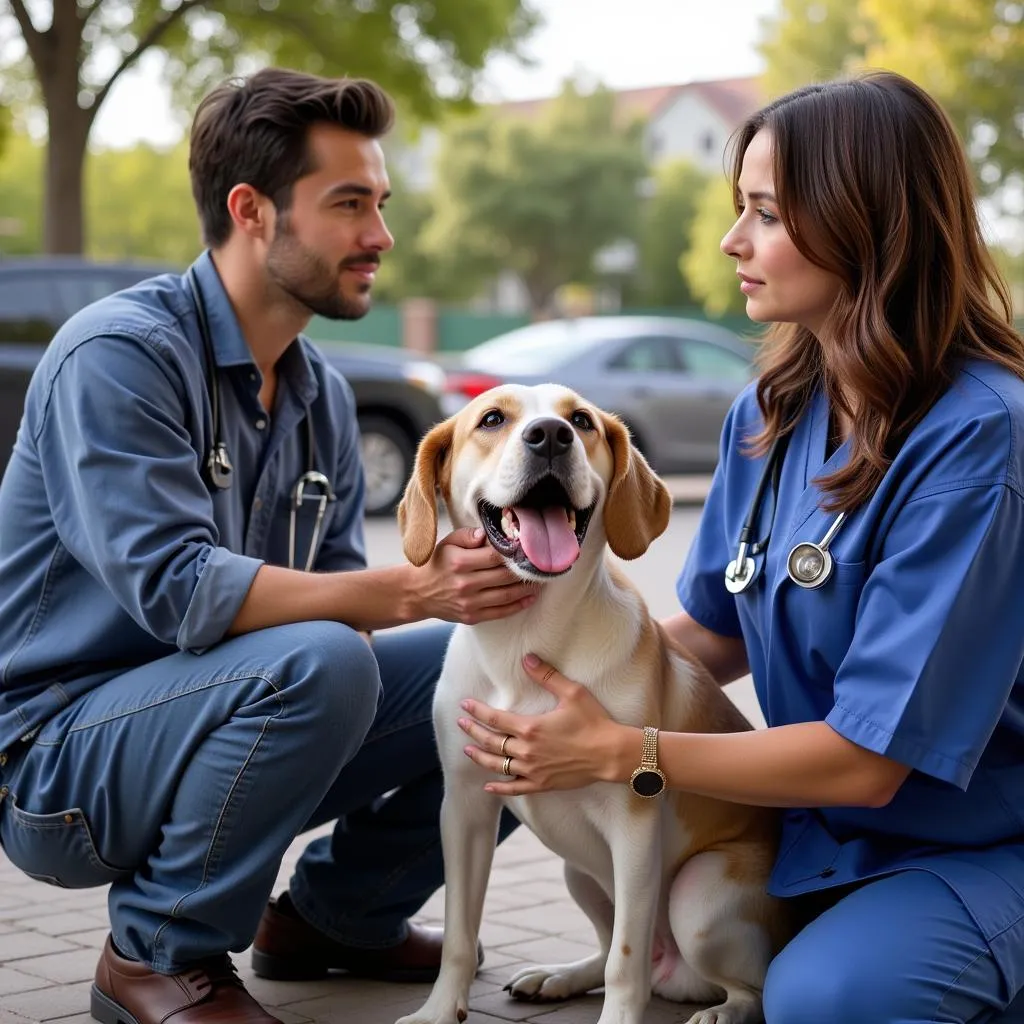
677	881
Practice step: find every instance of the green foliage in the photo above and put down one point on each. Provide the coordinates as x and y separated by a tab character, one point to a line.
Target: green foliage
139	205
138	202
969	54
666	226
409	270
21	193
540	197
711	275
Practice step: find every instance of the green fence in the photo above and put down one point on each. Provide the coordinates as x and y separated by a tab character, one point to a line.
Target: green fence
459	329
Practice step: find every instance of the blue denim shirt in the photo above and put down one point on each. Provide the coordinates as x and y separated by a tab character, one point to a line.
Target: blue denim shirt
113	550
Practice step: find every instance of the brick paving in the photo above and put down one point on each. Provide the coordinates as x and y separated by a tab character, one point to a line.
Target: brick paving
51	938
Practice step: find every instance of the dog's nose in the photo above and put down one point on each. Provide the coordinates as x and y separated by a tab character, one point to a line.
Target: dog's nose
548	437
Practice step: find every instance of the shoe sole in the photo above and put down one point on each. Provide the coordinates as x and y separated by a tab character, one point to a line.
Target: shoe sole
106	1011
275	968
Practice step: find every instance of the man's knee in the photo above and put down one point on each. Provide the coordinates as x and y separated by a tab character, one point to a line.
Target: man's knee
329	679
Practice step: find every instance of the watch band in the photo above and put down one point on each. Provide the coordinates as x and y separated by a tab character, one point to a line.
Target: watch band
648	780
649	754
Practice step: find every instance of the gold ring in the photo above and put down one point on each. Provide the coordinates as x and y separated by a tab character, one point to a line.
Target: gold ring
506	768
547	675
503	742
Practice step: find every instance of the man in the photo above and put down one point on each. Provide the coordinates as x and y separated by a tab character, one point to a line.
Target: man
176	703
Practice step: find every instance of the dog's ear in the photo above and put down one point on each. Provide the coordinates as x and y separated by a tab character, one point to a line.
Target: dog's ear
638	505
417	511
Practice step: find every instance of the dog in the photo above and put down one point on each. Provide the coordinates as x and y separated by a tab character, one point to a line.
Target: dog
674	885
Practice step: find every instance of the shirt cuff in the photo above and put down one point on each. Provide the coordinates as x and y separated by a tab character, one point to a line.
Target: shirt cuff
224	581
909	752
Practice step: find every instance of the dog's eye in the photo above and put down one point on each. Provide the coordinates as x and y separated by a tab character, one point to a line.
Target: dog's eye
492	418
581	420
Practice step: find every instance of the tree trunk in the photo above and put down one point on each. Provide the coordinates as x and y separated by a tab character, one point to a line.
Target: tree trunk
64	217
56	55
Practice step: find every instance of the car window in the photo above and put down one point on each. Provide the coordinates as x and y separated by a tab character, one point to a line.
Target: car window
33	304
712	362
29	309
647	355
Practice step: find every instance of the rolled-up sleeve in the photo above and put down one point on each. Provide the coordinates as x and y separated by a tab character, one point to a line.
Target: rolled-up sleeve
938	642
127	496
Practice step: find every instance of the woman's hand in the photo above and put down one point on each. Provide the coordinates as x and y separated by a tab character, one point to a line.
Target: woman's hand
572	745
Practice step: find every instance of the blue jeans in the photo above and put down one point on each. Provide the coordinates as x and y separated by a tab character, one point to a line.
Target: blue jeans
899	950
182	783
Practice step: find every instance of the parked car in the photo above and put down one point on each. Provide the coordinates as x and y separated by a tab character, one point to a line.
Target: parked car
397	394
672	380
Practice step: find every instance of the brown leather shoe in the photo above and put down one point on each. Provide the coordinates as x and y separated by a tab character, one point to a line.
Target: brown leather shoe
289	949
128	992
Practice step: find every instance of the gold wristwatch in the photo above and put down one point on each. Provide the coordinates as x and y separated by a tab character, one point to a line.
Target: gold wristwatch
648	780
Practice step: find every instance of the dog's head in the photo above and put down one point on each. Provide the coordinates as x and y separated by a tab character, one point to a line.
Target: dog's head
537	467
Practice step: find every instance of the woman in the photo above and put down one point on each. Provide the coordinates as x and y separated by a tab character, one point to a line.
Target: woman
893	690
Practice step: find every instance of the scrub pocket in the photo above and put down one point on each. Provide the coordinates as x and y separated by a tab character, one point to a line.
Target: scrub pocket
54	848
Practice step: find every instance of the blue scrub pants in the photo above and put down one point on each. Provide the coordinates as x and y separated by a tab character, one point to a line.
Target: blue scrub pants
900	950
183	782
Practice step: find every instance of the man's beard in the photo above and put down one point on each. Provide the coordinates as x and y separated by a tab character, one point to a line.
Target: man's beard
311	281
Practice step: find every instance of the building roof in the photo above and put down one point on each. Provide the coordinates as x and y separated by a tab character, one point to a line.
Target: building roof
733	99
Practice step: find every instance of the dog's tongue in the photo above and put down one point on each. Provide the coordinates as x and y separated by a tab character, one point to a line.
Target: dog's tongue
548	540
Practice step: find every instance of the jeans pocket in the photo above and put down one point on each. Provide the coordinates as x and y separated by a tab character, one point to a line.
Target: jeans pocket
55	848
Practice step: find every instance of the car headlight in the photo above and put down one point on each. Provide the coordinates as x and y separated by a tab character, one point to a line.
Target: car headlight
425	374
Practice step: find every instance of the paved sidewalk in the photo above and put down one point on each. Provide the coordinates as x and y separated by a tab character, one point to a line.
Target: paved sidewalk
50	940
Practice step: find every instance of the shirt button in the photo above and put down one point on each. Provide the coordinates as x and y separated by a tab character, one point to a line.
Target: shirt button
3	759
69	818
3	792
252	376
257	504
261	423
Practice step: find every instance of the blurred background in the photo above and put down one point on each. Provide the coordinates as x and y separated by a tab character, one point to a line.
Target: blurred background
554	160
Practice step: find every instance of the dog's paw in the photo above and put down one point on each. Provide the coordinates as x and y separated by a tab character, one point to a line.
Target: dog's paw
560	981
741	1014
425	1015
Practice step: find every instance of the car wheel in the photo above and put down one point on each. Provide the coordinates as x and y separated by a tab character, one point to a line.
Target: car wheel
388	454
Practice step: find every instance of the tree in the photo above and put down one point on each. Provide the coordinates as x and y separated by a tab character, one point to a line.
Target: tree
711	275
969	54
410	270
139	206
539	196
666	227
413	47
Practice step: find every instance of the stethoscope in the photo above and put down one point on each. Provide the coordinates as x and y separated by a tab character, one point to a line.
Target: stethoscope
808	565
219	469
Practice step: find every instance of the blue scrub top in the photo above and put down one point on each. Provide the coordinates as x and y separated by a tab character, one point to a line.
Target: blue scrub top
913	649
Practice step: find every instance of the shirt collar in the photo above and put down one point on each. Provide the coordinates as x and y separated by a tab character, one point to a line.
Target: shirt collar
229	345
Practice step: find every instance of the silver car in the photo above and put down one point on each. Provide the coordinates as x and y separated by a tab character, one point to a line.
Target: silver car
672	380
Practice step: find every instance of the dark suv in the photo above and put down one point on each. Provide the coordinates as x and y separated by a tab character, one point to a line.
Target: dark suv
397	394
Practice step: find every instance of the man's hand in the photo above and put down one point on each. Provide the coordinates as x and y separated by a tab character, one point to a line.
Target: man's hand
467	581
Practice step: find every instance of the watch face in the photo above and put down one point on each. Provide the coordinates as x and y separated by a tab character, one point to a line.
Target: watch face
646	782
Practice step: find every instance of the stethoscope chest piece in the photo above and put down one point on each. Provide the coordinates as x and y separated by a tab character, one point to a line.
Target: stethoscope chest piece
810	565
741	572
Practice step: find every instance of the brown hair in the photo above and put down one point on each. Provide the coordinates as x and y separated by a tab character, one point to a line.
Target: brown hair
873	186
254	131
